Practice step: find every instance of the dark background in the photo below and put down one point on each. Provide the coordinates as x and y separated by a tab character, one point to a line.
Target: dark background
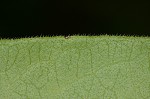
25	18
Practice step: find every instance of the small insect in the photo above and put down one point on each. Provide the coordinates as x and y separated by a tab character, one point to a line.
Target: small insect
67	36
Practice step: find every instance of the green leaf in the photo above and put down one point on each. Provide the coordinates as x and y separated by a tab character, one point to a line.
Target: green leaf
81	67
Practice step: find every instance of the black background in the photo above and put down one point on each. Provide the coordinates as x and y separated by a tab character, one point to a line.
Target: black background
24	18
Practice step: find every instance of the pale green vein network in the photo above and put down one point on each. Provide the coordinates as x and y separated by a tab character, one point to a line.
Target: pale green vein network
81	67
